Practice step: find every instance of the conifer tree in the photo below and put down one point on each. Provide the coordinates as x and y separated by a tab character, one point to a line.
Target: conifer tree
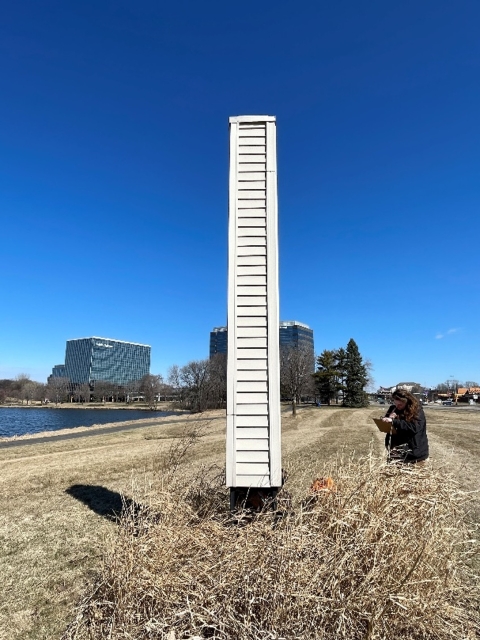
356	377
326	376
341	361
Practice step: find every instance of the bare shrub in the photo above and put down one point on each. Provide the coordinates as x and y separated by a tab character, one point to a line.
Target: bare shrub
384	555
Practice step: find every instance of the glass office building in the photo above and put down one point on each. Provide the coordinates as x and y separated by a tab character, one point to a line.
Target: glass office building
294	333
218	341
58	371
93	359
297	334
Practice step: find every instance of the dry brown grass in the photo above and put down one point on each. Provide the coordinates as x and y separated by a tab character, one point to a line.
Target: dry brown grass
57	532
384	555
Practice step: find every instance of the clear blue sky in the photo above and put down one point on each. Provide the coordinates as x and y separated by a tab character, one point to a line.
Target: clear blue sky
114	165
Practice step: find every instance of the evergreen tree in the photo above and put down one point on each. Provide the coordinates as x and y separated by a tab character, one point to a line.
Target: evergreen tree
326	376
341	363
356	377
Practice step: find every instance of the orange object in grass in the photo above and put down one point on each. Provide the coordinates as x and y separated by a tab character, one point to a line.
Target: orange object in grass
323	484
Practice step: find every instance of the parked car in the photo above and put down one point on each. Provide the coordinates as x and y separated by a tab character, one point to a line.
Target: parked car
380	401
447	403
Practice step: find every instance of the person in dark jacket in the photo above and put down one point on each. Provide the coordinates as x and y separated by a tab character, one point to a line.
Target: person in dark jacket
407	440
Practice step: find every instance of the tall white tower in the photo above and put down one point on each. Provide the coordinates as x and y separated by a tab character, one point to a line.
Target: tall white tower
253	392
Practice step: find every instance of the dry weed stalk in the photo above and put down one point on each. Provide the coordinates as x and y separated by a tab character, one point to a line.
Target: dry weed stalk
384	556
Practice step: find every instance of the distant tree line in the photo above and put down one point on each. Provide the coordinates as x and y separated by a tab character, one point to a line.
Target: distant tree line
21	389
200	384
453	385
60	389
341	376
197	386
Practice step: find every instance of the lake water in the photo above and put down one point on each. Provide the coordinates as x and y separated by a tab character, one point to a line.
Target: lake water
18	422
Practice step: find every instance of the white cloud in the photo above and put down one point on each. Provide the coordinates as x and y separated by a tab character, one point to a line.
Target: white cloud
439	336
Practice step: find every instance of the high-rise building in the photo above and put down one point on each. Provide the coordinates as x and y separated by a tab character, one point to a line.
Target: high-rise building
218	341
93	359
58	371
297	334
291	334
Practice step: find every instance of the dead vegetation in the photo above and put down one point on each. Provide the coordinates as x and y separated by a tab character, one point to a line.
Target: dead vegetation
60	537
379	552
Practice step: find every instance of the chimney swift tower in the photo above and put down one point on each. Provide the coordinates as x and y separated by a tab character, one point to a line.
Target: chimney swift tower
253	378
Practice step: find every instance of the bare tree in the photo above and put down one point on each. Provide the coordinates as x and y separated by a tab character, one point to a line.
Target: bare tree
77	396
102	390
371	384
218	380
296	377
132	388
58	389
21	381
150	387
471	383
174	380
84	392
28	390
40	391
195	381
200	384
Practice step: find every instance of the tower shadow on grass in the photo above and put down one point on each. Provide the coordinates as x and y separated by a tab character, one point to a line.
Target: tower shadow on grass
108	504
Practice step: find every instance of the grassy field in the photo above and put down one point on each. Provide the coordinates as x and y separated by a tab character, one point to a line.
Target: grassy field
57	499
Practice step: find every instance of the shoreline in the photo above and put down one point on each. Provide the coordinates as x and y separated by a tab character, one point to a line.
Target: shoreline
71	433
91	405
124	422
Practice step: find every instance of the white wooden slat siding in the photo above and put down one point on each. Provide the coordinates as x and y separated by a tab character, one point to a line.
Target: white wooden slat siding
252	427
260	409
251	375
247	305
255	256
251	455
252	354
252	307
251	343
246	271
253	396
252	365
252	385
257	157
245	151
251	316
245	176
259	184
251	241
248	132
252	332
251	321
252	222
250	250
252	444
252	168
261	469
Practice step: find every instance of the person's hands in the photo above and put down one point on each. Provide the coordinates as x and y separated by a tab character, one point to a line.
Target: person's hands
390	418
